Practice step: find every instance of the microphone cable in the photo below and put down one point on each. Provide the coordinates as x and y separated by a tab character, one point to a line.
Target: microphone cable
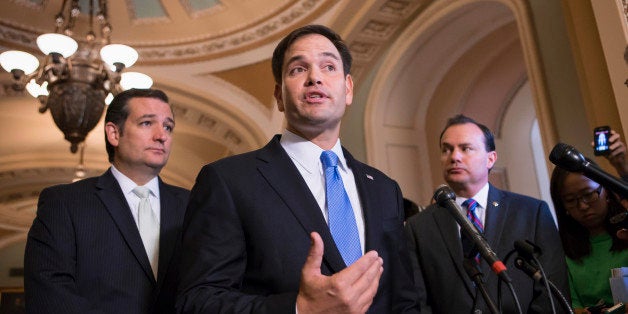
510	287
534	273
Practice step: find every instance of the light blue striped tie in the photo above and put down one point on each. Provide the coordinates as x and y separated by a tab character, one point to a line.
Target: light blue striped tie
342	224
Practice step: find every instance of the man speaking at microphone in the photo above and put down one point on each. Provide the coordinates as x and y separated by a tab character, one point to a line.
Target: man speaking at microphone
467	156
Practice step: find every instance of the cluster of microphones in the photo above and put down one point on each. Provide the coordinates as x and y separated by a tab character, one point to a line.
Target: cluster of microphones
562	155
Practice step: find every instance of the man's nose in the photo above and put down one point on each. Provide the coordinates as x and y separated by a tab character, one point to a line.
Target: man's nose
314	77
160	134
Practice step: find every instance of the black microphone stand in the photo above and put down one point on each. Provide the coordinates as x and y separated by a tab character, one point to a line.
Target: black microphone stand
471	267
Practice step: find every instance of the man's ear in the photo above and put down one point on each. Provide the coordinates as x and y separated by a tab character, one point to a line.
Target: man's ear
492	158
278	97
348	90
113	133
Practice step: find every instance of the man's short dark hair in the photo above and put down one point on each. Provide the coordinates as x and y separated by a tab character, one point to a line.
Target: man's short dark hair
489	138
286	42
118	110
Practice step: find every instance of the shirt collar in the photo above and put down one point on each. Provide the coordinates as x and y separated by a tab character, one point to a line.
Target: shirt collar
306	153
481	197
127	185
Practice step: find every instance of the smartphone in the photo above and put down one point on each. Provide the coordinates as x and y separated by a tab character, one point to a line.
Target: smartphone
601	134
618	308
620	221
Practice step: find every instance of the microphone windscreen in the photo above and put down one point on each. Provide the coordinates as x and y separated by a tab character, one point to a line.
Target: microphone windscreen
443	193
567	157
527	248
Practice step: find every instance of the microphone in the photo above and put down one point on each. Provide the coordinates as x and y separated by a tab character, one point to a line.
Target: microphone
567	157
445	197
527	249
527	268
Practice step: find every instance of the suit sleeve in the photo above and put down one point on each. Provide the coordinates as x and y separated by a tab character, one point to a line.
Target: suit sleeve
213	259
410	235
553	261
50	260
405	300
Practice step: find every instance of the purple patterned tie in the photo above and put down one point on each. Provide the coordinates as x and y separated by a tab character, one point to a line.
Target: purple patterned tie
471	205
342	224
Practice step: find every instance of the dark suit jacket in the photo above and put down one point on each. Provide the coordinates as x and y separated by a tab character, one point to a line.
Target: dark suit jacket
246	236
84	253
437	255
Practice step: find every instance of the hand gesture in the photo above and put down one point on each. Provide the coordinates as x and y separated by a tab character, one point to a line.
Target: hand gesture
349	291
617	156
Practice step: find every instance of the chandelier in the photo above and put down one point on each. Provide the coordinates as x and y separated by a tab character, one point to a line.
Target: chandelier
76	79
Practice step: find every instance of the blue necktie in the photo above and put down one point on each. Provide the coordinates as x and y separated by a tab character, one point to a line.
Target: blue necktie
342	224
471	206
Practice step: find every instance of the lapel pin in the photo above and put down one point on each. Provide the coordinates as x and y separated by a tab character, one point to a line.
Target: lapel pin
369	176
495	203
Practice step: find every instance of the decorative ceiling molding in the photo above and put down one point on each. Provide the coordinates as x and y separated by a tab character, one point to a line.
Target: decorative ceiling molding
624	4
17	37
11	180
214	46
218	7
377	32
203	47
213	127
30	4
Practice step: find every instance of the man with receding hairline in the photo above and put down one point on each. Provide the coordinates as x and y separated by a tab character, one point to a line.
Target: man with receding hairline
438	248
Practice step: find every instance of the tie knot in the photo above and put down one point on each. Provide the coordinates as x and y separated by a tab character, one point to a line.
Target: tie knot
329	159
470	204
141	191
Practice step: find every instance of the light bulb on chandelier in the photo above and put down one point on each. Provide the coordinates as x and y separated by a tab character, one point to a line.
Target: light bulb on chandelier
76	78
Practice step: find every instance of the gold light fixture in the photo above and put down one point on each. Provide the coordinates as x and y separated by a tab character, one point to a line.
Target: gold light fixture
76	79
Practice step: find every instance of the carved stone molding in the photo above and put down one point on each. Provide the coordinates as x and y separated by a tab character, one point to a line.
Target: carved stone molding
179	50
217	130
20	188
218	45
369	42
625	6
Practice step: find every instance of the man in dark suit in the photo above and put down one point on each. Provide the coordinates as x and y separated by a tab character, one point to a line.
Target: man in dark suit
97	247
256	235
467	156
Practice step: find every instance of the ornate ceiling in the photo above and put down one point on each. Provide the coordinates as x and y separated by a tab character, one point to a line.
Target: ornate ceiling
210	56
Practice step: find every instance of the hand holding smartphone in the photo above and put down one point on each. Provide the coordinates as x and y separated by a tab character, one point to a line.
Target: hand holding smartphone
601	141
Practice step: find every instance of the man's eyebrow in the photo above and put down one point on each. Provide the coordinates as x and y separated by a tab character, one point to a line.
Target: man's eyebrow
330	54
152	115
147	115
325	54
294	58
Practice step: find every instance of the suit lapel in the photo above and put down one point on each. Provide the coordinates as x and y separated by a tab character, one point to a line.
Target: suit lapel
496	212
450	234
170	219
110	193
283	176
369	200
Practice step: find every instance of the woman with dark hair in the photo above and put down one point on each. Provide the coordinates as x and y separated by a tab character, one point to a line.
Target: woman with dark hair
583	209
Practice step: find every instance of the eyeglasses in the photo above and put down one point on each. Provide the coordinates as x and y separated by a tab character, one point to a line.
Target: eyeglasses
586	198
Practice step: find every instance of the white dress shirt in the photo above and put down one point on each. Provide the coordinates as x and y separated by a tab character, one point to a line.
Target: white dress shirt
482	198
127	185
306	157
